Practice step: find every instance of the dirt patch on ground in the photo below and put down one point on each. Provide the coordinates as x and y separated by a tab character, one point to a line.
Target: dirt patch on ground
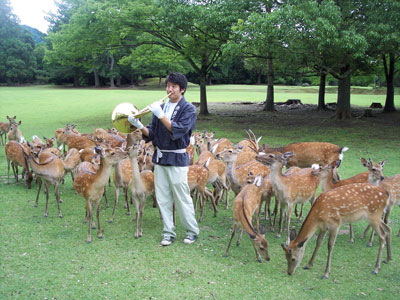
303	115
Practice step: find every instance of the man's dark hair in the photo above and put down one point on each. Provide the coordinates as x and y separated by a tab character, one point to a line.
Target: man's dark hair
178	79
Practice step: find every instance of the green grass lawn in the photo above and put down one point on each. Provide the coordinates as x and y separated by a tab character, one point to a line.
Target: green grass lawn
47	258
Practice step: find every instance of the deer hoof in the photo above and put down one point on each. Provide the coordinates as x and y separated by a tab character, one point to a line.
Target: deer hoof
128	213
325	277
369	245
60	215
375	272
306	267
110	221
45	215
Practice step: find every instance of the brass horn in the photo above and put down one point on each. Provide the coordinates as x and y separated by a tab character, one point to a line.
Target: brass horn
119	116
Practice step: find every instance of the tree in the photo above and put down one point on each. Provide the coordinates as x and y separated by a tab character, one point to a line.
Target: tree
196	29
17	62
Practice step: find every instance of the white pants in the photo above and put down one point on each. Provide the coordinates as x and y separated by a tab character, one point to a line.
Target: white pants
171	185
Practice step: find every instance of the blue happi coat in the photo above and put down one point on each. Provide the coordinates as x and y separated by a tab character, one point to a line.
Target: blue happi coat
183	121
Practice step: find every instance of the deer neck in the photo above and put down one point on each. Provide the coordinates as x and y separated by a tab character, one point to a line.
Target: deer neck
136	178
103	173
277	179
327	182
231	174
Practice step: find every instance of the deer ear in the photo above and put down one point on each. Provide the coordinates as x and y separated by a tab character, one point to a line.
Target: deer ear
288	154
364	162
382	163
293	234
251	236
97	150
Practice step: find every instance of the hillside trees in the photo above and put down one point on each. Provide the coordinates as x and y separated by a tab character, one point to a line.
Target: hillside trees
17	61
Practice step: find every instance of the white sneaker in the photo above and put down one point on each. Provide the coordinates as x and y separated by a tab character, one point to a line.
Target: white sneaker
190	239
167	240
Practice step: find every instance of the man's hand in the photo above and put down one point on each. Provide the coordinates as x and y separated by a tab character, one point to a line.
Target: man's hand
135	122
157	110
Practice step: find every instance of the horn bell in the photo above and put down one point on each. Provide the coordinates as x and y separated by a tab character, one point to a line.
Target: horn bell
119	117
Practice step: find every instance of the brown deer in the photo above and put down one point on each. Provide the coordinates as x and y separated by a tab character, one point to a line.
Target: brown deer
299	187
122	178
71	162
308	153
14	134
197	180
17	156
328	182
141	187
245	205
4	127
49	169
91	185
346	204
390	184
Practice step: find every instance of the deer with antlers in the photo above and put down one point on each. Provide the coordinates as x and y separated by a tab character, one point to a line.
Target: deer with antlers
390	184
345	204
91	185
299	187
245	205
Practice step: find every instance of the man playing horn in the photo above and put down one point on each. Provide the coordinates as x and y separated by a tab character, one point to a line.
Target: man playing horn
170	129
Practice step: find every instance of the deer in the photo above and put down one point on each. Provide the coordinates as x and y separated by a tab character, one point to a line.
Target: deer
17	156
91	185
61	135
346	204
290	190
111	139
197	179
4	127
142	186
308	153
49	169
122	177
14	134
390	184
245	205
329	182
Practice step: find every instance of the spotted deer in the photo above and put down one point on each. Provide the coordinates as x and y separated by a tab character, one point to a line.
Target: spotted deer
245	205
91	185
328	182
122	178
49	169
390	184
292	189
346	204
308	153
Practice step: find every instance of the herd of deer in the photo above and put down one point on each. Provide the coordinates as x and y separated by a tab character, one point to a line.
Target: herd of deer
254	173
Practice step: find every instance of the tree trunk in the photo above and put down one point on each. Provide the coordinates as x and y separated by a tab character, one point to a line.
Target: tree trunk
203	94
321	91
159	81
76	80
389	74
112	84
259	78
343	110
96	78
269	102
119	81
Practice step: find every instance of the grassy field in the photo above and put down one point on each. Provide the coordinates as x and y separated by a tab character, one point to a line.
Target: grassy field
47	258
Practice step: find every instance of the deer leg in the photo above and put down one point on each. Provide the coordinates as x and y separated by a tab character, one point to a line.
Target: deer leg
388	232
105	197
365	232
257	254
320	238
142	204
230	241
382	238
288	216
47	198
239	237
8	173
371	239
115	204
89	217
57	190
209	194
331	242
351	233
275	213
38	192
301	212
281	209
127	201
137	216
99	231
202	204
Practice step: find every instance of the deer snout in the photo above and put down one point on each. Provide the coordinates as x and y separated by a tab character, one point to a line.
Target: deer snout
382	177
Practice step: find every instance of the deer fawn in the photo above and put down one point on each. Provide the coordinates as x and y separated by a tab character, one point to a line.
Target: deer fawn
50	170
14	134
390	184
246	203
308	153
297	188
345	204
91	185
142	186
17	155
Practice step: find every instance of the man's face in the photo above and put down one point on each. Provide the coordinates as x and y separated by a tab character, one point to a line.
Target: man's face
175	91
